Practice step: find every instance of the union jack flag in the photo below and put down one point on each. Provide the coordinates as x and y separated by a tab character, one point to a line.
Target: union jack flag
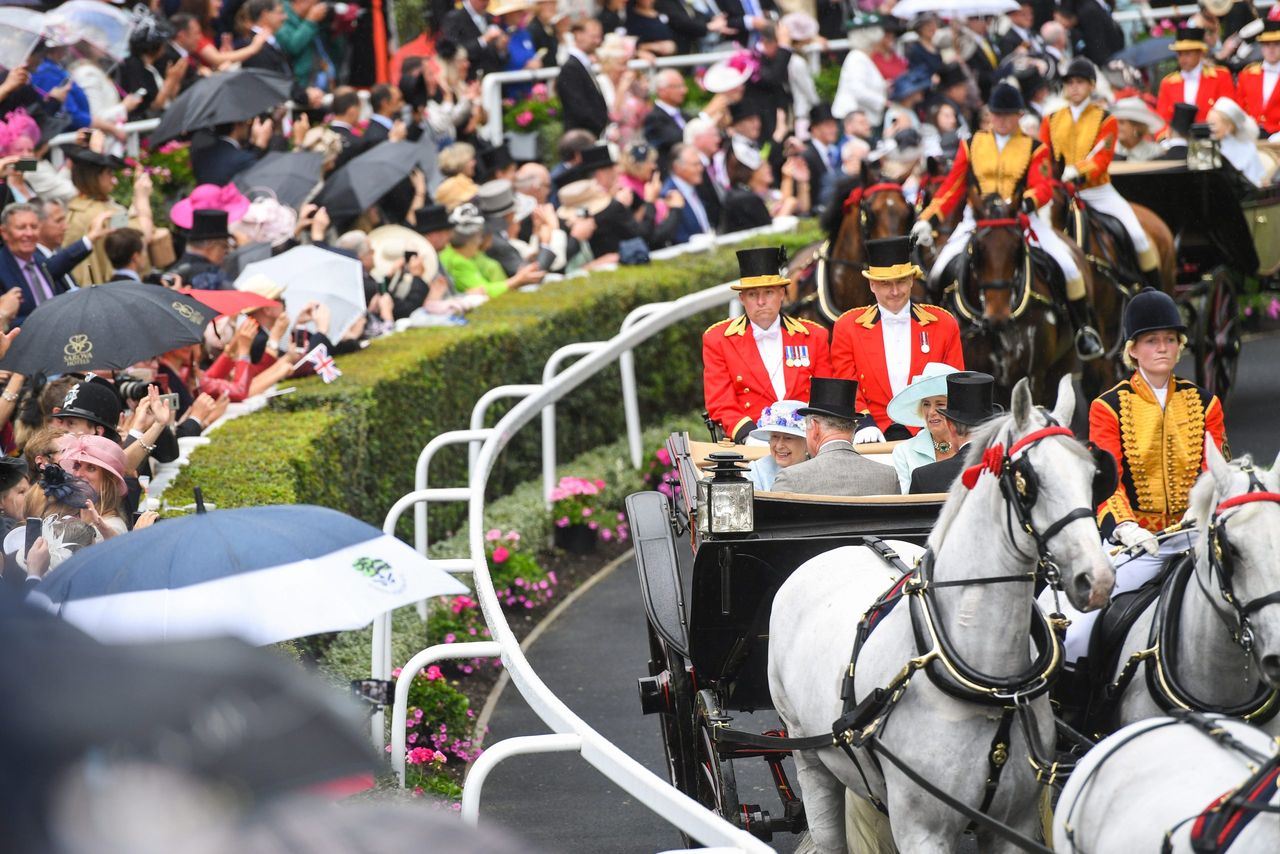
323	362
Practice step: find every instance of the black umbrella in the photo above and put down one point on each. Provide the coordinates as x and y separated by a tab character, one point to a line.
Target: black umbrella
1145	53
107	327
366	179
228	96
293	176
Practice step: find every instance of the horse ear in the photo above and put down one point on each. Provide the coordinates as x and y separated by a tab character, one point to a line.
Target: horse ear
870	172
1216	463
1022	404
1065	406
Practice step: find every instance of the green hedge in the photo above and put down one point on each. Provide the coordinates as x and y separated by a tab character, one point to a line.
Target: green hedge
352	445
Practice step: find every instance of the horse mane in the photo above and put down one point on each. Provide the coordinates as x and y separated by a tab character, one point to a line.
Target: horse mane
1200	501
833	216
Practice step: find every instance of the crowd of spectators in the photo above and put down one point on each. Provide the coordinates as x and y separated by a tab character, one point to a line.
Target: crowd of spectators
648	158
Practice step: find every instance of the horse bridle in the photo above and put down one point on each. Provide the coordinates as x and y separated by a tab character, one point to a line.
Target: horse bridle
1019	287
860	197
1222	558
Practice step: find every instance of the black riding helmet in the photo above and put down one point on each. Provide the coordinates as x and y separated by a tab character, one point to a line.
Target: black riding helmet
1005	99
1083	69
1151	310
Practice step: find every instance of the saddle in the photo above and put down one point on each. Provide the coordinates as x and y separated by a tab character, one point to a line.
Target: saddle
1124	265
1047	269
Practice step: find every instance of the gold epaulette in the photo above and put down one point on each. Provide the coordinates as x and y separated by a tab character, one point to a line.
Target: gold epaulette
718	323
926	314
737	326
796	325
867	316
1251	68
1174	77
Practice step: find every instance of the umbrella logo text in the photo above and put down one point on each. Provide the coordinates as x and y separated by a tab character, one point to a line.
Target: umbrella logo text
78	352
380	574
187	312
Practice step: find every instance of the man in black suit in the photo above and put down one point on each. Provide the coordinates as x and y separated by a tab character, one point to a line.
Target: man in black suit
969	403
664	124
385	102
218	157
985	59
1099	36
822	155
705	137
1022	32
183	46
268	16
472	28
689	24
769	90
747	18
30	278
581	101
346	112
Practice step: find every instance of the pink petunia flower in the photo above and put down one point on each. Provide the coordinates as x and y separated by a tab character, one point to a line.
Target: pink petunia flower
500	555
493	534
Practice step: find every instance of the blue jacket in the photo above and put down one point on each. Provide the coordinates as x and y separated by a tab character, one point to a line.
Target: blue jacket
689	224
218	161
55	267
49	76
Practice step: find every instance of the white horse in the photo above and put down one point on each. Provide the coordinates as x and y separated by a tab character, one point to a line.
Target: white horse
951	742
1212	661
1155	777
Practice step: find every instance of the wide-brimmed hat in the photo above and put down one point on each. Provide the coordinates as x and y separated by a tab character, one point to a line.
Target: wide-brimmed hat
455	191
889	258
1189	38
12	472
93	401
866	20
1134	109
262	285
95	450
268	220
506	7
745	152
1184	116
1150	310
1005	99
1245	127
802	26
970	397
780	417
496	198
761	268
388	243
1270	31
582	195
915	80
208	224
431	218
80	154
830	396
725	76
904	407
210	197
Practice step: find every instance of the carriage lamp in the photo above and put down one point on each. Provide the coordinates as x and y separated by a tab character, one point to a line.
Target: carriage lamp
725	501
1203	153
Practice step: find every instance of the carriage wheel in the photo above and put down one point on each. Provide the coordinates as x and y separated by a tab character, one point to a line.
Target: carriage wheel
1217	335
717	787
676	721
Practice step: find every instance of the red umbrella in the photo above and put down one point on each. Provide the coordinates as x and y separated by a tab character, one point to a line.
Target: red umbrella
228	302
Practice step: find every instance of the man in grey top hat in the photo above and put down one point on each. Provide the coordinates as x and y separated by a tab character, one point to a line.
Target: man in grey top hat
835	468
497	202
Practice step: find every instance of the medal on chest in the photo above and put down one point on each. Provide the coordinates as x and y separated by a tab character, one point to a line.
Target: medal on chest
797	356
924	341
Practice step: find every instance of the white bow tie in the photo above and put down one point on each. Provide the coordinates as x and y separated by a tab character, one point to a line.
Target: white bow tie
1271	69
895	319
768	334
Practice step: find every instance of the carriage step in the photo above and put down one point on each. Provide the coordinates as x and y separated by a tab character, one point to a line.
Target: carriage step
654	695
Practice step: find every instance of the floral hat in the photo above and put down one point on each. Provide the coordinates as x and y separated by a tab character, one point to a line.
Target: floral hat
780	417
904	408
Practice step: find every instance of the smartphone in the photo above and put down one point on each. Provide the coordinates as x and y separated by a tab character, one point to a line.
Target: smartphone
300	338
119	220
172	398
35	530
546	257
25	165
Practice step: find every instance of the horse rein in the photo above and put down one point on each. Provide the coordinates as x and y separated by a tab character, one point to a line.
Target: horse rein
1019	287
1222	561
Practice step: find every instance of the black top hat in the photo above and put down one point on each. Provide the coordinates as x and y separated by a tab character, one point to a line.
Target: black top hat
12	471
970	397
1189	38
819	114
80	154
761	268
595	157
889	258
1005	99
208	224
1184	116
431	218
1150	310
831	396
740	110
951	74
1082	68
496	158
95	402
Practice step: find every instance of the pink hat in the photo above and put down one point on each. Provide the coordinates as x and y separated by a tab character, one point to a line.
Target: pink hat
207	196
97	450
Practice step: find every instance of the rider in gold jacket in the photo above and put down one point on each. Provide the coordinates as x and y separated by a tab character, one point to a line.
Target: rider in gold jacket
1083	135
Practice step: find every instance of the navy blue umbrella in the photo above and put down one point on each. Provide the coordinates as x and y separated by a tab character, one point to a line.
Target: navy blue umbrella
1145	53
264	574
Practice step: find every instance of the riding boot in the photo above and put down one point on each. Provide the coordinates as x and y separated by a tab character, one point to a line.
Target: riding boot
1088	342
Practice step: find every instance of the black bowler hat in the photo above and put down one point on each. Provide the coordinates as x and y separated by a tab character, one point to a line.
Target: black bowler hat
208	224
95	402
1150	310
1082	68
1184	116
951	74
819	114
12	471
761	268
1005	99
833	397
970	398
431	218
889	258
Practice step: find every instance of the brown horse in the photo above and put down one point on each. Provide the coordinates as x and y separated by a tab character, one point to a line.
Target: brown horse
1010	320
862	208
1115	275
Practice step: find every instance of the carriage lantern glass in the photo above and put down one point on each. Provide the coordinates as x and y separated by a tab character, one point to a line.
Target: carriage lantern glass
725	501
1203	154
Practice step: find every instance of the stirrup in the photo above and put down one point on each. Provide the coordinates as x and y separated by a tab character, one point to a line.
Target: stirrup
1088	343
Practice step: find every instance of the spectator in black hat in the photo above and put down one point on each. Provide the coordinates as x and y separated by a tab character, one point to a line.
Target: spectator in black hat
1175	142
497	204
822	155
954	88
496	164
969	403
768	90
569	150
89	408
208	243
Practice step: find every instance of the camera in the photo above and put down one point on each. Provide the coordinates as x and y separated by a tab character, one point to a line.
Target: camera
131	388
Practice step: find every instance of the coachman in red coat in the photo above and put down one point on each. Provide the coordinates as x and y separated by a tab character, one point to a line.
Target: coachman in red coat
1211	82
1263	104
752	361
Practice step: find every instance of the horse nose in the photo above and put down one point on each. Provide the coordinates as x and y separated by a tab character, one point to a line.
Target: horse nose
1271	669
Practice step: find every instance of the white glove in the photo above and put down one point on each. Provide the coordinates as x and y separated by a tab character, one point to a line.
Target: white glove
1070	174
868	435
922	233
1132	535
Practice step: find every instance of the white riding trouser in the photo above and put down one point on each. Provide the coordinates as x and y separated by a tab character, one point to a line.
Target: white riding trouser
1048	239
1107	199
1131	573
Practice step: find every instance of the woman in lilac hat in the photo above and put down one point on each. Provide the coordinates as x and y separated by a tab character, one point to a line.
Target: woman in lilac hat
783	428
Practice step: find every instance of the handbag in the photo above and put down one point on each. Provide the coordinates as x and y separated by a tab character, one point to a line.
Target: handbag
633	251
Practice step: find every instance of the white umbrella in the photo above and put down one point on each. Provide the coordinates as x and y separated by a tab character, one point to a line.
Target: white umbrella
312	274
908	9
20	30
101	25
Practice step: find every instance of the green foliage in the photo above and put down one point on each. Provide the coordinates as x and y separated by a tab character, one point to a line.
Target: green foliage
826	81
531	113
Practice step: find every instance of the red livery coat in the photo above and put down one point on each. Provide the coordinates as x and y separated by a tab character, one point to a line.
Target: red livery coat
735	382
1215	83
857	352
1249	88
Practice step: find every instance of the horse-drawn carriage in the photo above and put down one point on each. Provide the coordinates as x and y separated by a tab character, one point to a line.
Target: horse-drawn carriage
710	560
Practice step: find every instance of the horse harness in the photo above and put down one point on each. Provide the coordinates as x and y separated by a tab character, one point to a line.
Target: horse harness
1161	665
862	722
